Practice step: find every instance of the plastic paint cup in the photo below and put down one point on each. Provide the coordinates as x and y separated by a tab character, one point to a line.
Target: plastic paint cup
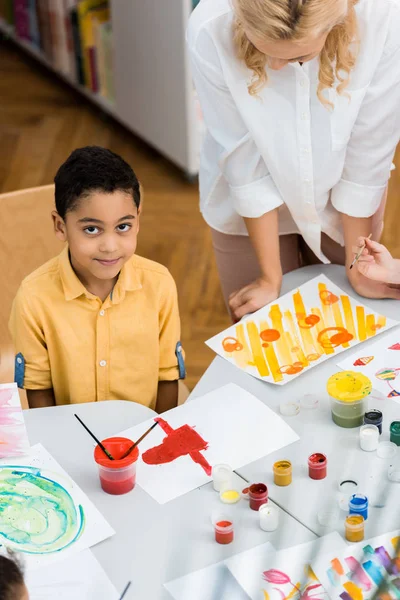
317	466
395	432
269	517
354	528
282	473
117	476
374	417
229	496
348	391
258	495
222	476
347	488
358	505
224	531
369	438
386	450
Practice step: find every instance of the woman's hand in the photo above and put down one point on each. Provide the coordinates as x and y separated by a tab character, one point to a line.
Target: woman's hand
253	297
377	263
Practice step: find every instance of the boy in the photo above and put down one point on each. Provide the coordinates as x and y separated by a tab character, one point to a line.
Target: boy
378	264
12	586
98	322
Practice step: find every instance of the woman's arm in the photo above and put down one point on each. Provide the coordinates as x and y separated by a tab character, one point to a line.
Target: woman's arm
264	236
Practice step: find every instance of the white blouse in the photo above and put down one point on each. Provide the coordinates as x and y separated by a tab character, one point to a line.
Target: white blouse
284	148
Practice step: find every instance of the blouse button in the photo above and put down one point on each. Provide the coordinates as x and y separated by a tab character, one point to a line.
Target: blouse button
103	363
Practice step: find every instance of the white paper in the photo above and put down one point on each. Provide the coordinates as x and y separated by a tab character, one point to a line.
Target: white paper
299	330
359	569
78	577
13	436
274	574
43	513
236	428
380	362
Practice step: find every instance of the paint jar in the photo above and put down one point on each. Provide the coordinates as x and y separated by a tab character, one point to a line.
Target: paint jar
258	495
282	473
386	450
117	476
289	408
374	417
269	517
358	505
348	392
224	530
369	438
395	432
347	488
317	466
354	528
229	496
222	476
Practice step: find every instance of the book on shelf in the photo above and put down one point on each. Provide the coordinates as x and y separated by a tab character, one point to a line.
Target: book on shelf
75	36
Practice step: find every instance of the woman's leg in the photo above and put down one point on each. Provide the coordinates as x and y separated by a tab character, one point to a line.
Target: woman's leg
237	262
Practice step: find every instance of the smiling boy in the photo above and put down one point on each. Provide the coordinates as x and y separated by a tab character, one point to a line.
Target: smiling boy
98	322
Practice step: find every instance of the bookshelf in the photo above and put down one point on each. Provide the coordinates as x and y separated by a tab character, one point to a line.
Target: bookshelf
153	94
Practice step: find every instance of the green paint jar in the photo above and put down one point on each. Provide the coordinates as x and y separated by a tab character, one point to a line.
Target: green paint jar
348	392
395	432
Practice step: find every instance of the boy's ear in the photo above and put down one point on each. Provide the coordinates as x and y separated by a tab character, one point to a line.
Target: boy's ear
59	226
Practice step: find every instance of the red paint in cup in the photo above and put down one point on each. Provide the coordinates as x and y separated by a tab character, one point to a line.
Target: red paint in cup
117	476
317	466
258	495
224	532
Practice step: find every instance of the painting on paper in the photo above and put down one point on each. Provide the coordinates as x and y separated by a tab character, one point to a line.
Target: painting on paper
43	513
370	569
298	331
380	362
284	574
13	436
228	425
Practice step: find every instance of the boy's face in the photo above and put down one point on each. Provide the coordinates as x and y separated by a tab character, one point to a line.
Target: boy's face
101	233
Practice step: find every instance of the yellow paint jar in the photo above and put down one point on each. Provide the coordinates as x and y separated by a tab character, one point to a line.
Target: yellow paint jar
282	472
348	391
229	496
354	528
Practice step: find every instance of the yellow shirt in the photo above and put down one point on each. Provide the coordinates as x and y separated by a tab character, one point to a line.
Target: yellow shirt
88	350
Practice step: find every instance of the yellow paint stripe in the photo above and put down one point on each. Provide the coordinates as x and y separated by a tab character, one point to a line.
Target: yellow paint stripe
282	346
337	315
257	349
360	315
326	309
318	328
300	356
242	358
294	591
348	316
353	590
381	322
271	357
300	312
370	325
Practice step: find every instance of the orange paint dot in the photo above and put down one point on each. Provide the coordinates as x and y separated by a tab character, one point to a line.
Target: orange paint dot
265	345
312	357
376	327
293	369
270	335
328	298
231	344
341	336
312	319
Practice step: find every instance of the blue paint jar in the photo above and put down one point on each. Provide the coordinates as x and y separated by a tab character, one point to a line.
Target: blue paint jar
358	505
374	417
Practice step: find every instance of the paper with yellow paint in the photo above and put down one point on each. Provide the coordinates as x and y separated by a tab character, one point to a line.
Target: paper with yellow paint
267	574
298	331
380	362
357	572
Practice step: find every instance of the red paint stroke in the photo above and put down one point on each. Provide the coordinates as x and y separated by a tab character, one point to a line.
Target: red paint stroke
309	321
270	335
364	360
231	344
178	442
395	346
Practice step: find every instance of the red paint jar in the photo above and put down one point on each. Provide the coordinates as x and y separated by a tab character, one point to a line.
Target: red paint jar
258	495
117	476
317	466
223	532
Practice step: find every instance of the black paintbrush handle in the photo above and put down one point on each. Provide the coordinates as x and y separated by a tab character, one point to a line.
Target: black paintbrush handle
106	452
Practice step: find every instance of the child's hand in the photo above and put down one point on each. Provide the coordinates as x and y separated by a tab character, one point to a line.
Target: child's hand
376	262
252	297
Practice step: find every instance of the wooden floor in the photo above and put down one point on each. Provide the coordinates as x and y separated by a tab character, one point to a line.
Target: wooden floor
42	121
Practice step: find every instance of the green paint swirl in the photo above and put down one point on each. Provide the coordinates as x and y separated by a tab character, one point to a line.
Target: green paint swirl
37	514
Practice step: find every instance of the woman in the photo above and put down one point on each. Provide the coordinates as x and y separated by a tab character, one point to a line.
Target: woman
301	101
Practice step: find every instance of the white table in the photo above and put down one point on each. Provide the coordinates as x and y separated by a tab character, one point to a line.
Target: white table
153	543
305	497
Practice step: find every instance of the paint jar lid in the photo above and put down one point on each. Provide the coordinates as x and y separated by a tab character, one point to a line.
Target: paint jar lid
327	518
355	522
347	487
348	386
309	401
386	450
230	496
289	408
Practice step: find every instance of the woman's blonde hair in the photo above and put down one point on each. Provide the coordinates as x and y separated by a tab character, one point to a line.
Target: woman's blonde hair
295	20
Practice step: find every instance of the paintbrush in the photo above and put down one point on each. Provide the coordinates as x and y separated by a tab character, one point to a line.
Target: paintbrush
128	585
106	452
139	440
357	256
